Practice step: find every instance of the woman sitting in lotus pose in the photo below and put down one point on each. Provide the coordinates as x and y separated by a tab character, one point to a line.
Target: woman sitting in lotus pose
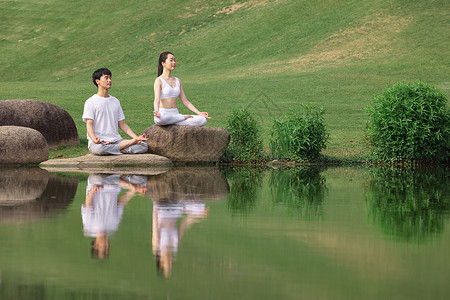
167	90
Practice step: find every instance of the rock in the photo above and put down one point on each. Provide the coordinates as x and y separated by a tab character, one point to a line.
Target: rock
149	164
188	143
53	122
22	145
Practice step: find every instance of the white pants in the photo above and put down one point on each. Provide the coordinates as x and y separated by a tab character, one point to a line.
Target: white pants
114	148
171	116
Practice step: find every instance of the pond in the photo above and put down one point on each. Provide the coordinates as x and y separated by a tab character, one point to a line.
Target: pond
211	233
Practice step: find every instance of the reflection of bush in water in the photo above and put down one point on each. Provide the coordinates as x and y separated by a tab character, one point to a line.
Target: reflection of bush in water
301	190
244	183
409	204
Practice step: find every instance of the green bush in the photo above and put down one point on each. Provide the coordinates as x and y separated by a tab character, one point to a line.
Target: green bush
301	136
409	122
245	137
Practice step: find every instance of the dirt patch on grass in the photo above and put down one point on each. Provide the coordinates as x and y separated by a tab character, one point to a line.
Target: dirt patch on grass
202	6
243	5
192	11
375	37
372	38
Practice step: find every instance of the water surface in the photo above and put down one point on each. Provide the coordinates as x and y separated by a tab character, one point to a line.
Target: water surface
207	233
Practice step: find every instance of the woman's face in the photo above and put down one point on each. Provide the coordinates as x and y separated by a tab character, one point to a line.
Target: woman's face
170	62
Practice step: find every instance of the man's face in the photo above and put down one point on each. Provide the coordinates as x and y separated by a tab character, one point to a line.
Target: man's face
105	82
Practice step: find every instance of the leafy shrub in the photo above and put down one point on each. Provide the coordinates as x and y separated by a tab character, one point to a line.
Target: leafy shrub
301	136
409	122
245	137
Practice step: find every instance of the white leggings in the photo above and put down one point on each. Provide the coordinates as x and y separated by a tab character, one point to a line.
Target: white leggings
114	148
171	116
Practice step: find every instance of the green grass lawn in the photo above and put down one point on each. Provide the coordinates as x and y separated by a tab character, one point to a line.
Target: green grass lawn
268	56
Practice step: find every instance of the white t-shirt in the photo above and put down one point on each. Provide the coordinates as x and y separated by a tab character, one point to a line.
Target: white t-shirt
106	113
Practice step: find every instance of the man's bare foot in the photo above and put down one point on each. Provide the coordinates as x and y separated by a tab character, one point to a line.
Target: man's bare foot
127	143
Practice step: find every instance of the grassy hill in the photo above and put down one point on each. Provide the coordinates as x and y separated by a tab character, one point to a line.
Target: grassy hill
267	55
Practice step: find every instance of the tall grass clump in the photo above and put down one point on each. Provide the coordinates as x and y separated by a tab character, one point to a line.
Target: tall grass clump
301	136
245	137
409	122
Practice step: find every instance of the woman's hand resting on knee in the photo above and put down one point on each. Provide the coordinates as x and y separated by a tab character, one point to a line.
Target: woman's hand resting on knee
204	114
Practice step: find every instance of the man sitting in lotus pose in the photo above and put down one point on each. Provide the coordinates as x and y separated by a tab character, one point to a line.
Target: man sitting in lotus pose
104	116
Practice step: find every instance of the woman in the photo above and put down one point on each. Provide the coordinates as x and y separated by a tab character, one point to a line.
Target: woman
167	90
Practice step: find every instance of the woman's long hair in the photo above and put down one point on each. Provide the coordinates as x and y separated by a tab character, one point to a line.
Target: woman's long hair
162	58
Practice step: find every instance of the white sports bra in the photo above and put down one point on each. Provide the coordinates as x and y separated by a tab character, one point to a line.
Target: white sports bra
169	92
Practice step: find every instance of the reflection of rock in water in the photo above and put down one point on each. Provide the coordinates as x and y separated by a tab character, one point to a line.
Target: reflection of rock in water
32	193
188	184
409	204
59	193
22	185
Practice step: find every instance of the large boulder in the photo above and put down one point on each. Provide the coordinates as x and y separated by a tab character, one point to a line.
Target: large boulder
55	124
22	145
187	143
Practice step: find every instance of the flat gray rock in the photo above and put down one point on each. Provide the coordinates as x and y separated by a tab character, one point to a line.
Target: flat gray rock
149	164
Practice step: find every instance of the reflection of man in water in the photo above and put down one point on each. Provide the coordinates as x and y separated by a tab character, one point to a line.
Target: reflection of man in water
102	211
166	234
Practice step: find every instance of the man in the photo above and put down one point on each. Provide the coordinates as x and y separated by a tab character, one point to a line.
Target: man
104	116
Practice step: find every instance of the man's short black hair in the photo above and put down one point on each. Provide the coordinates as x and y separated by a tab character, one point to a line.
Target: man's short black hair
99	73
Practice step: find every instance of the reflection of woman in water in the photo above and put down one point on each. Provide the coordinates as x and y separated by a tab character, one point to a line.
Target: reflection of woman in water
167	234
167	89
102	211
